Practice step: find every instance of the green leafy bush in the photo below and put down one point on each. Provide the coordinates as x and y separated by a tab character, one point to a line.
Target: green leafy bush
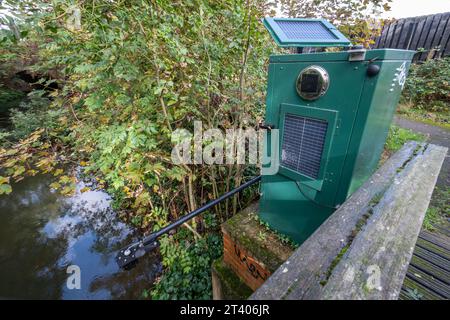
428	86
34	114
7	95
133	72
187	268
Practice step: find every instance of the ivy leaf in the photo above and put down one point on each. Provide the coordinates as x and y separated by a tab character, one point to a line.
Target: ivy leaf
64	179
5	189
4	180
68	190
18	171
55	185
58	172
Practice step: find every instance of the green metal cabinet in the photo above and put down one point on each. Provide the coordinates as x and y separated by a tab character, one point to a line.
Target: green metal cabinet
331	145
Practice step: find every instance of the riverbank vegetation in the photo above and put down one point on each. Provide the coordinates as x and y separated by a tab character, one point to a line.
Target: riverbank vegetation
129	74
113	80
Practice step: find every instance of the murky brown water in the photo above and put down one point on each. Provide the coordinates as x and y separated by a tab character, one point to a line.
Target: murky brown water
43	232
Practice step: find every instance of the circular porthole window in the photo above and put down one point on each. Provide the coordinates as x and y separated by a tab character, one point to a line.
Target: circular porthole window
312	82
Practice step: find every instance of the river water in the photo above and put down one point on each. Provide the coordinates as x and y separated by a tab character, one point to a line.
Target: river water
43	232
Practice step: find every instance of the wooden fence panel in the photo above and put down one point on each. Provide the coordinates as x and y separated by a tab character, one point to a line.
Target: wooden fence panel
431	36
428	33
446	38
442	28
405	35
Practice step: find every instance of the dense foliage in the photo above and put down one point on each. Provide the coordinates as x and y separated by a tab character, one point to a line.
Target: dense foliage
188	274
129	74
428	85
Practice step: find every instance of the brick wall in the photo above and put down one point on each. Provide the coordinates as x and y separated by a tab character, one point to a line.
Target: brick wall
251	271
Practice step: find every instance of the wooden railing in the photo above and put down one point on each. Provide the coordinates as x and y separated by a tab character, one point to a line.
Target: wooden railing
363	249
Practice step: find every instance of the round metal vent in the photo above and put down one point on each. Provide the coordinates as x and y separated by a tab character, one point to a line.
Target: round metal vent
312	82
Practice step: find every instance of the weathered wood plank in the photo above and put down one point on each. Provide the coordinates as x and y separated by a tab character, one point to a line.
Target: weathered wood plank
440	33
414	32
436	19
436	238
375	265
429	282
308	266
430	269
382	37
433	248
423	37
432	258
398	31
405	37
403	295
427	32
420	23
443	230
426	294
390	34
338	263
445	42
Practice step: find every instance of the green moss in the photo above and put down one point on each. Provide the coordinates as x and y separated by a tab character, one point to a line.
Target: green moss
334	263
362	221
366	289
258	238
289	290
270	259
376	199
282	237
413	155
232	286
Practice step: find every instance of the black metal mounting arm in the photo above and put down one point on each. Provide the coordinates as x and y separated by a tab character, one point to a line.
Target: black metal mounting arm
266	126
127	257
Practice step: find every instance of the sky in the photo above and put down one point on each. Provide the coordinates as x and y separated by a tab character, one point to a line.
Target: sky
413	8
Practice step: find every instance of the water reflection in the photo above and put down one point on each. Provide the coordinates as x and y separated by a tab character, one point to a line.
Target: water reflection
42	232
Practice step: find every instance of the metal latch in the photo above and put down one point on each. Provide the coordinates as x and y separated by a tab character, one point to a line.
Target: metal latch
357	53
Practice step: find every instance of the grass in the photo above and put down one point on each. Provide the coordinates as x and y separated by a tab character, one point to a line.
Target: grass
439	209
397	137
432	217
441	119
